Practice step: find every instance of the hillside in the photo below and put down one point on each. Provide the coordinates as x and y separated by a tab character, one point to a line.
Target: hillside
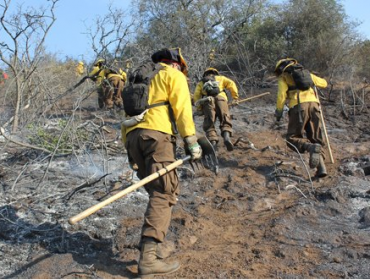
262	216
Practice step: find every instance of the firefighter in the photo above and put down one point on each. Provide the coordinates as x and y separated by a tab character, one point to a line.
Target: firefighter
212	100
110	83
304	127
151	145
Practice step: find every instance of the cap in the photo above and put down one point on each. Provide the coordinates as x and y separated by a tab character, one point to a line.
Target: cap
171	55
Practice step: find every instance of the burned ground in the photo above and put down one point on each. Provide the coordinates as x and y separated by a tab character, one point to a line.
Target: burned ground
264	215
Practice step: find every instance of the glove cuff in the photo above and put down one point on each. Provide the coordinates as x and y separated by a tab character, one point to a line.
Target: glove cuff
191	140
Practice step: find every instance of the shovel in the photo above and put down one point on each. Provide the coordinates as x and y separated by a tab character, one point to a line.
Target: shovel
209	160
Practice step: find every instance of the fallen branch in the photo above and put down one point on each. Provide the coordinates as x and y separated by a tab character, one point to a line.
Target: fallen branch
300	179
2	131
295	187
84	185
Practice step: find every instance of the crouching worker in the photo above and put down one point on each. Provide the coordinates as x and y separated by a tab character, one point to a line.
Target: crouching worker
297	85
149	138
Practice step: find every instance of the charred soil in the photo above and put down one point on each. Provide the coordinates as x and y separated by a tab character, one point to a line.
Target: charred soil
265	215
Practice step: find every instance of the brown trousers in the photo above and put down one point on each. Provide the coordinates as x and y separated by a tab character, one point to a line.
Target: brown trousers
112	88
217	109
153	150
309	131
100	97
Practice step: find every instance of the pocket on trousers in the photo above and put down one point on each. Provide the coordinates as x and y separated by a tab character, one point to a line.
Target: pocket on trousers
161	145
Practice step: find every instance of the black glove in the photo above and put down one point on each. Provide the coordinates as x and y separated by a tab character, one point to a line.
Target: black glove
278	114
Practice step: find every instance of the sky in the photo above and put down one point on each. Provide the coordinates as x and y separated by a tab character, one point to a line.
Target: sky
359	10
67	37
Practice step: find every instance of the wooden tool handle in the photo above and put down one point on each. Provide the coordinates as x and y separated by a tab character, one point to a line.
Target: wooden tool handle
256	96
120	194
326	136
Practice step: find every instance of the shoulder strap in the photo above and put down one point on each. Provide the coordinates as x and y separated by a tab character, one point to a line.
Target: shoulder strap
158	104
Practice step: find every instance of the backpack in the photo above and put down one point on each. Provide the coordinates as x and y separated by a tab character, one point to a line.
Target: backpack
301	77
110	69
136	94
210	85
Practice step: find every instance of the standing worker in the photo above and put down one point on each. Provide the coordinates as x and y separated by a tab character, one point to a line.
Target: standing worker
109	84
112	87
296	85
80	70
97	75
151	145
210	92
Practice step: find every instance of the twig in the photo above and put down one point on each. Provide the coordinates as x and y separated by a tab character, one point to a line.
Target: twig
2	217
19	175
2	131
342	105
292	176
84	185
295	187
53	154
354	101
12	118
305	166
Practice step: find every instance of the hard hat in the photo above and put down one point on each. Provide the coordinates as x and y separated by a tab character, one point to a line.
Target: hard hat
171	55
81	63
210	70
99	60
282	64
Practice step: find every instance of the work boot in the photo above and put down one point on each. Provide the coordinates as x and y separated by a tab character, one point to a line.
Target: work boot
227	141
314	150
159	252
321	168
150	264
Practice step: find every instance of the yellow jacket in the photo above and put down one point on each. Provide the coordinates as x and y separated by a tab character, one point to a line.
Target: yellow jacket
80	70
224	82
106	73
285	81
168	85
99	79
123	75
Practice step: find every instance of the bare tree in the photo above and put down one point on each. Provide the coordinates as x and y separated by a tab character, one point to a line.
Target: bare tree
23	34
111	34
